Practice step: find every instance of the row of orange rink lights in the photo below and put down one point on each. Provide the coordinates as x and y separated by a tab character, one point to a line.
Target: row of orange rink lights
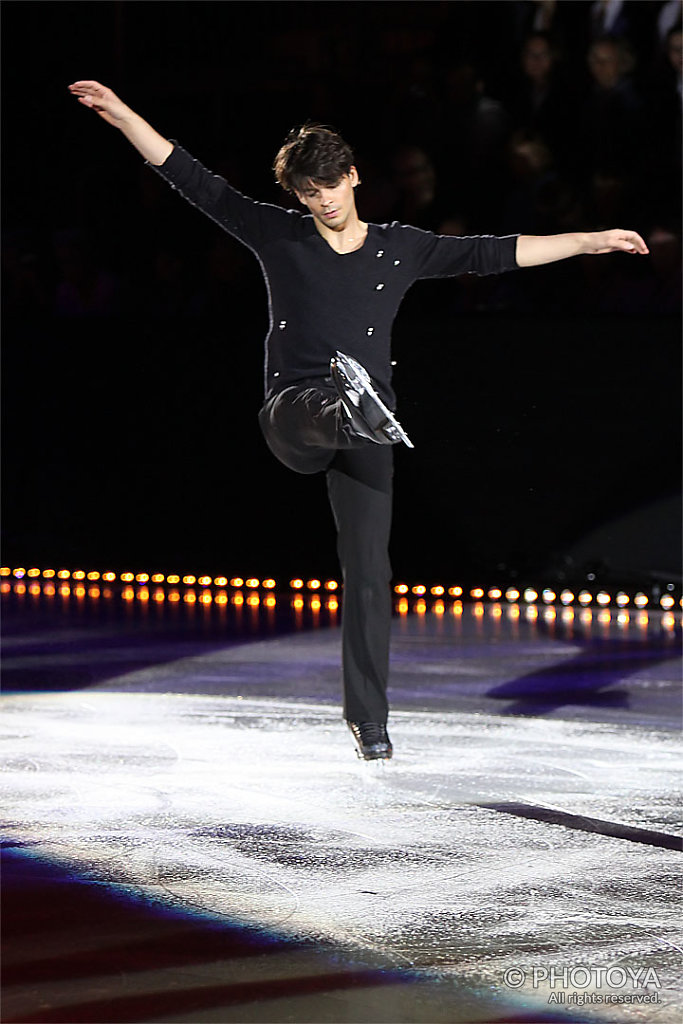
512	595
529	596
143	578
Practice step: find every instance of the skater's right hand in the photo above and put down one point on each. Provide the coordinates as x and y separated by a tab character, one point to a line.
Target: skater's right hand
102	100
154	147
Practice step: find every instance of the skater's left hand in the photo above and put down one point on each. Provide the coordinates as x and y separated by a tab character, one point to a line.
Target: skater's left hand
615	240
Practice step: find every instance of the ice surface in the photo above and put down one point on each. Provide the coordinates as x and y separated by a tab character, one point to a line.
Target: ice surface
256	809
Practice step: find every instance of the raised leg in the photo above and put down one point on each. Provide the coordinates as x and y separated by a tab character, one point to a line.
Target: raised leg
305	426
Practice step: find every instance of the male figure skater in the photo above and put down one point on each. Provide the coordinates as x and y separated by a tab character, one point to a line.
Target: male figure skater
335	284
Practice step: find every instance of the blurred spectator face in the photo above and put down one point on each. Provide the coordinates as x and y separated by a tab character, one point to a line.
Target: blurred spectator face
529	157
674	50
665	250
414	174
537	59
605	63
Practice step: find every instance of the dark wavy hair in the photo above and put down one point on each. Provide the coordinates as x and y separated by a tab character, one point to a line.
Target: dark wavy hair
312	153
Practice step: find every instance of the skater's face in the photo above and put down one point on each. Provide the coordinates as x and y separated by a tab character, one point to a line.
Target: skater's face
331	205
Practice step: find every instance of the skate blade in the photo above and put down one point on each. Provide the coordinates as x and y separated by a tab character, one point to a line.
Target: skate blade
361	383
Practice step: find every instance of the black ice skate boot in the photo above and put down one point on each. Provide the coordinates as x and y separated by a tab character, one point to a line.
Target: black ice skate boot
367	412
372	740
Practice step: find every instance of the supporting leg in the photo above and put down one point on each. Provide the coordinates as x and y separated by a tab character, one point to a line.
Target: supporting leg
359	485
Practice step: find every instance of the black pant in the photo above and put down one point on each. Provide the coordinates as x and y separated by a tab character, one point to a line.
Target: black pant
306	429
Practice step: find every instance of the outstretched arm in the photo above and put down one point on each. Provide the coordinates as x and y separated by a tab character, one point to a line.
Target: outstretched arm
532	250
147	141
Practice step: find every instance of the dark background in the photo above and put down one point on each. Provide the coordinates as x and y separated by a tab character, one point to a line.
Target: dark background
542	403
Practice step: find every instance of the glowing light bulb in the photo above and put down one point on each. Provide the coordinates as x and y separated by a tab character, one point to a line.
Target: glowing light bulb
419	589
640	600
585	598
455	591
495	594
603	598
401	588
530	595
269	584
477	593
173	580
548	596
331	585
566	597
189	581
253	583
313	584
437	591
512	594
204	581
667	601
296	584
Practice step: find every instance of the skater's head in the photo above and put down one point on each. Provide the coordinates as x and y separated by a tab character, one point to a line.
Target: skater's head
316	165
312	155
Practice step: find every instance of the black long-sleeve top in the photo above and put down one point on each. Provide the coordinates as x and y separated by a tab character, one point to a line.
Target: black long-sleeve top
321	301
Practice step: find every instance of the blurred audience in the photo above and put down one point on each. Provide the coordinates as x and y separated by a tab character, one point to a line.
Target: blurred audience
538	116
